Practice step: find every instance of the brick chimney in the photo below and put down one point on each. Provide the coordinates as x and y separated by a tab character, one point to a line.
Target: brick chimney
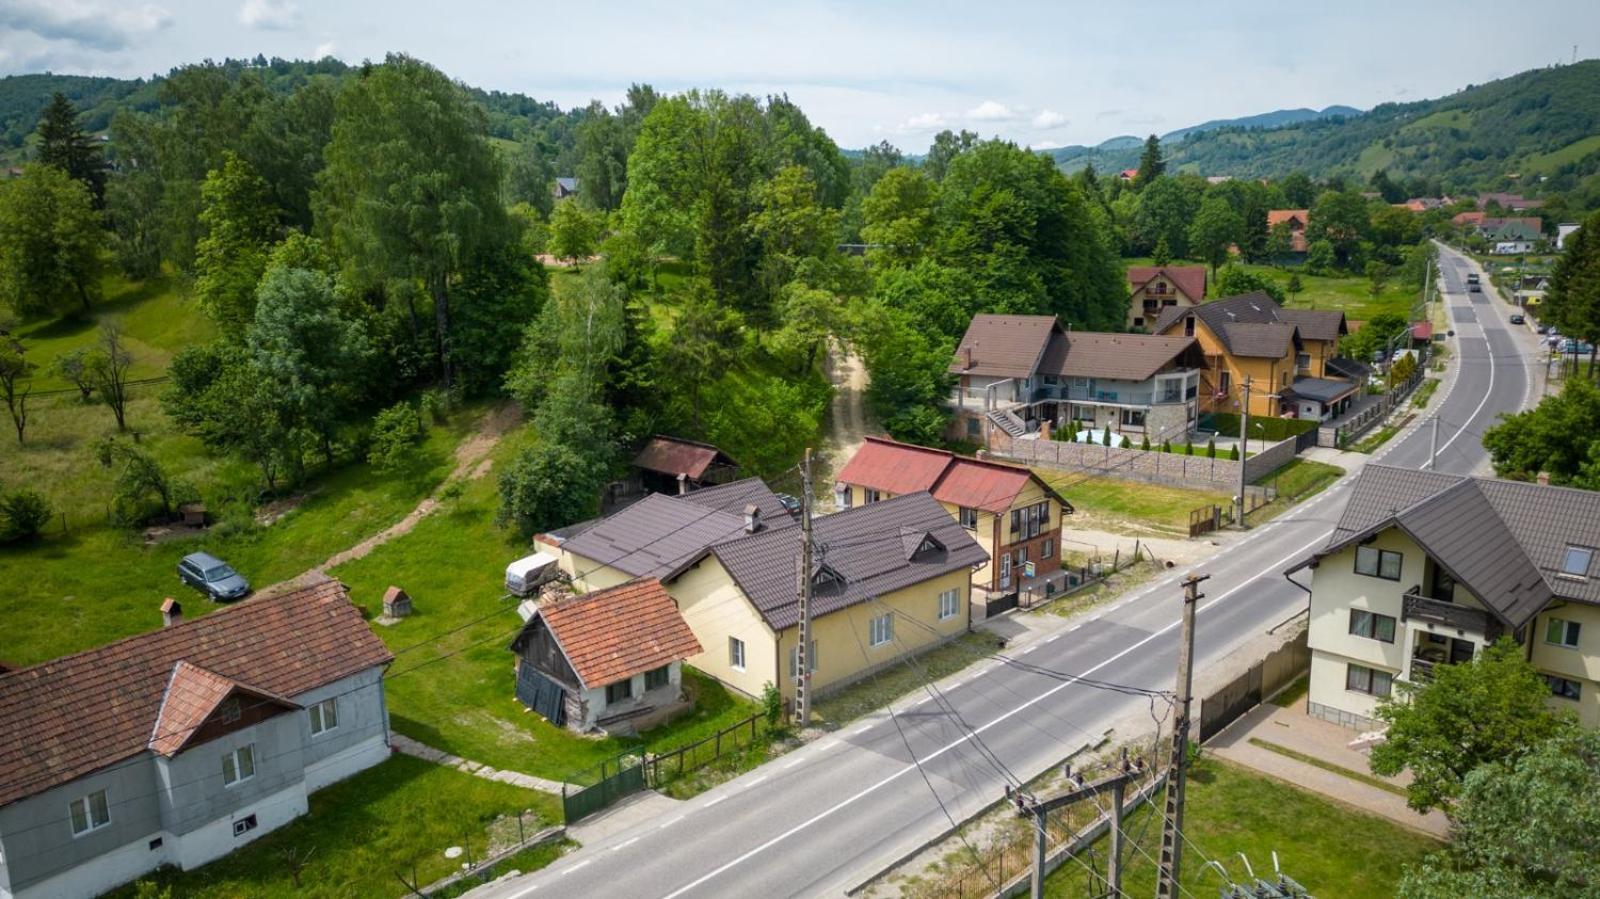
1543	478
171	612
752	518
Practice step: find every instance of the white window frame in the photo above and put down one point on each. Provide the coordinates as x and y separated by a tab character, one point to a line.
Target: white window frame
736	658
1570	631
87	804
949	604
880	630
968	518
794	660
1587	554
235	760
321	714
1047	548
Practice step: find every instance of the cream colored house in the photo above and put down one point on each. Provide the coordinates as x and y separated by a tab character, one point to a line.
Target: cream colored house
1010	511
1427	568
889	579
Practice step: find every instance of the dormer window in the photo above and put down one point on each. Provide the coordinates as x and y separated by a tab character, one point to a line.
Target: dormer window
1575	562
826	578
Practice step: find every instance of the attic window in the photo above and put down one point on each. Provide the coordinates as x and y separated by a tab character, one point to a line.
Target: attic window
230	710
928	545
1576	561
826	578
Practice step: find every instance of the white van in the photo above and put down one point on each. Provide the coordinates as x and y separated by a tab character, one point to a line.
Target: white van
528	574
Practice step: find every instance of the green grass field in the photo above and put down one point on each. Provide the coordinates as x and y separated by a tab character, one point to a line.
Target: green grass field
1130	507
1329	848
398	816
1349	293
453	566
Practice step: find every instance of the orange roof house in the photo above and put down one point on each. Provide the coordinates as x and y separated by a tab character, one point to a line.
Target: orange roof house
1152	288
1297	220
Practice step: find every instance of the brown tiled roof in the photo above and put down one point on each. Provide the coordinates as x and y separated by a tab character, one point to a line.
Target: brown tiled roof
613	634
1190	279
1275	216
192	695
1247	325
1004	346
1094	354
900	468
1316	324
63	719
674	456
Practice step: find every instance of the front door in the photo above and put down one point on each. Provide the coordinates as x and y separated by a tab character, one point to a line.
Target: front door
1005	571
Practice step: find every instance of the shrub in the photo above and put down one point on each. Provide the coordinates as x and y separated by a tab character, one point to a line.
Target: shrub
1105	437
395	434
436	405
772	704
1166	446
23	515
1144	443
1233	452
1211	449
1188	449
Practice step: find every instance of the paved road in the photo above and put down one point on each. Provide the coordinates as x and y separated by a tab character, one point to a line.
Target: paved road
820	820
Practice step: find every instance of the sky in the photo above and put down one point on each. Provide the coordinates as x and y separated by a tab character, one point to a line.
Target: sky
1042	74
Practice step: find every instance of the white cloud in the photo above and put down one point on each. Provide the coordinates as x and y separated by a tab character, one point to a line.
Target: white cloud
1047	118
271	15
926	121
103	27
325	49
990	111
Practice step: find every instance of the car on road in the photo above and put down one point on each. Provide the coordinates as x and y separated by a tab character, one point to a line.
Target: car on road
213	577
1475	287
790	503
1517	319
1581	347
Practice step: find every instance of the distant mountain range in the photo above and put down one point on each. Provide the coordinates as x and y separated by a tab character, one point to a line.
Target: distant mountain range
1542	124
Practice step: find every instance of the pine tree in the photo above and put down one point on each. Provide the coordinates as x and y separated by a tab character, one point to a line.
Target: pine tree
65	146
1151	165
1161	255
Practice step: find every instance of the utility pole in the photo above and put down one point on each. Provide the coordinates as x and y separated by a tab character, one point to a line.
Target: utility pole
802	681
1116	784
1427	279
1433	445
1177	766
1244	445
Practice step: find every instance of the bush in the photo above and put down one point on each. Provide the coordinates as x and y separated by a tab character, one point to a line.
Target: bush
436	405
772	704
395	434
1105	436
1166	446
1188	449
1144	443
1233	453
23	515
1211	449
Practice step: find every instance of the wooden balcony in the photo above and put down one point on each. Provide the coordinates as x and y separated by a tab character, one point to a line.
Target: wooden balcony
1416	607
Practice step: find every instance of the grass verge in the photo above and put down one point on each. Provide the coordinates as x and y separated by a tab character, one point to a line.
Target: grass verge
1129	507
1424	392
878	690
1328	766
1331	849
1375	440
1291	695
1296	482
360	832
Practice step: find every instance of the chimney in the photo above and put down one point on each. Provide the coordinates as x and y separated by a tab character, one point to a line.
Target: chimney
171	612
752	518
683	483
1543	478
967	351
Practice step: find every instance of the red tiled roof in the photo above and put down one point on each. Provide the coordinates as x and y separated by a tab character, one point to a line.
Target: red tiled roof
616	633
1467	218
63	719
901	468
675	455
1191	279
192	695
1422	331
1274	216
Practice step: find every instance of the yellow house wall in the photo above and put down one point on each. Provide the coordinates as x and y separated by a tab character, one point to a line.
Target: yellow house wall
588	575
1137	298
1320	352
716	609
1267	375
844	650
1581	664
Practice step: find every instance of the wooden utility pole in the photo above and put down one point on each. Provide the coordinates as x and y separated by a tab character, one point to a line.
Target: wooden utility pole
802	680
1116	784
1177	767
1433	444
1244	445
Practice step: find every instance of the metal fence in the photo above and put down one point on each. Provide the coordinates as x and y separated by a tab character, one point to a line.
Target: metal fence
1263	681
630	772
664	767
618	777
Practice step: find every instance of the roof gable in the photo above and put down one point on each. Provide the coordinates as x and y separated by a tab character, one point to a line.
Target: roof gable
673	456
65	718
613	634
1005	346
658	535
1189	279
192	700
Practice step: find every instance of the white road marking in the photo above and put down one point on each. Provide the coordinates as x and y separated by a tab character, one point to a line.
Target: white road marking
850	800
624	844
791	764
716	800
1052	637
754	780
670	823
575	867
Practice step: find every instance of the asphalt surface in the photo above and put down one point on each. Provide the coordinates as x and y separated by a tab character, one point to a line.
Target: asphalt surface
822	819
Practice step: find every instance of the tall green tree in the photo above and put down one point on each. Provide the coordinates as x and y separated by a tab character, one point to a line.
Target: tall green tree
574	232
108	365
1151	165
603	147
702	345
946	146
1526	827
50	243
1494	708
1167	208
1573	303
1216	227
1342	218
898	216
66	146
1560	436
15	384
241	224
1298	191
412	185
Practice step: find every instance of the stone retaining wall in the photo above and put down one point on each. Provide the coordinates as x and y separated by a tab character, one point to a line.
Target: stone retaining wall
1134	464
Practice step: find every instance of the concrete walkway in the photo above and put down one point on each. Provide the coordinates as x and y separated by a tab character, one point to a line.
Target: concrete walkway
1293	729
427	753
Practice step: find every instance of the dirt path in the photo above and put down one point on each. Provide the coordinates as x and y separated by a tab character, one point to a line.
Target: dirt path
472	462
847	418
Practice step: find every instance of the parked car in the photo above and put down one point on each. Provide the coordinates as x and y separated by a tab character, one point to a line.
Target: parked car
213	577
1517	319
1475	288
790	504
1581	347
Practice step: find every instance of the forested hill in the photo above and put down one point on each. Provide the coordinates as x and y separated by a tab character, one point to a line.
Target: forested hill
1545	122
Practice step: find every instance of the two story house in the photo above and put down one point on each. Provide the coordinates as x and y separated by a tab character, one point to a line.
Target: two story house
1010	511
1154	288
1295	220
889	579
1021	373
1426	568
1289	355
176	746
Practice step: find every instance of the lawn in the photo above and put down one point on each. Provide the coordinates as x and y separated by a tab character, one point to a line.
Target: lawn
1329	848
1350	293
1129	507
453	567
1296	482
98	583
396	817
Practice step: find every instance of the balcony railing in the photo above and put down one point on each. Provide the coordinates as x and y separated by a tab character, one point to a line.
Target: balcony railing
1416	607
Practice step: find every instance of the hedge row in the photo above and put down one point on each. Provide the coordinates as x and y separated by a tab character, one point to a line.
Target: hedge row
1274	429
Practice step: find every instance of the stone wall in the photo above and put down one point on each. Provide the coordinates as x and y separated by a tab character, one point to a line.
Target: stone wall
1133	464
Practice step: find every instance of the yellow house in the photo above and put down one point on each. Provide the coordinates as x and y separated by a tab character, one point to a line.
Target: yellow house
1153	289
1250	337
888	580
1012	513
1427	568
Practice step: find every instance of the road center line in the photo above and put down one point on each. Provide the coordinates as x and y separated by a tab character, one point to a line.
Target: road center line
624	844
